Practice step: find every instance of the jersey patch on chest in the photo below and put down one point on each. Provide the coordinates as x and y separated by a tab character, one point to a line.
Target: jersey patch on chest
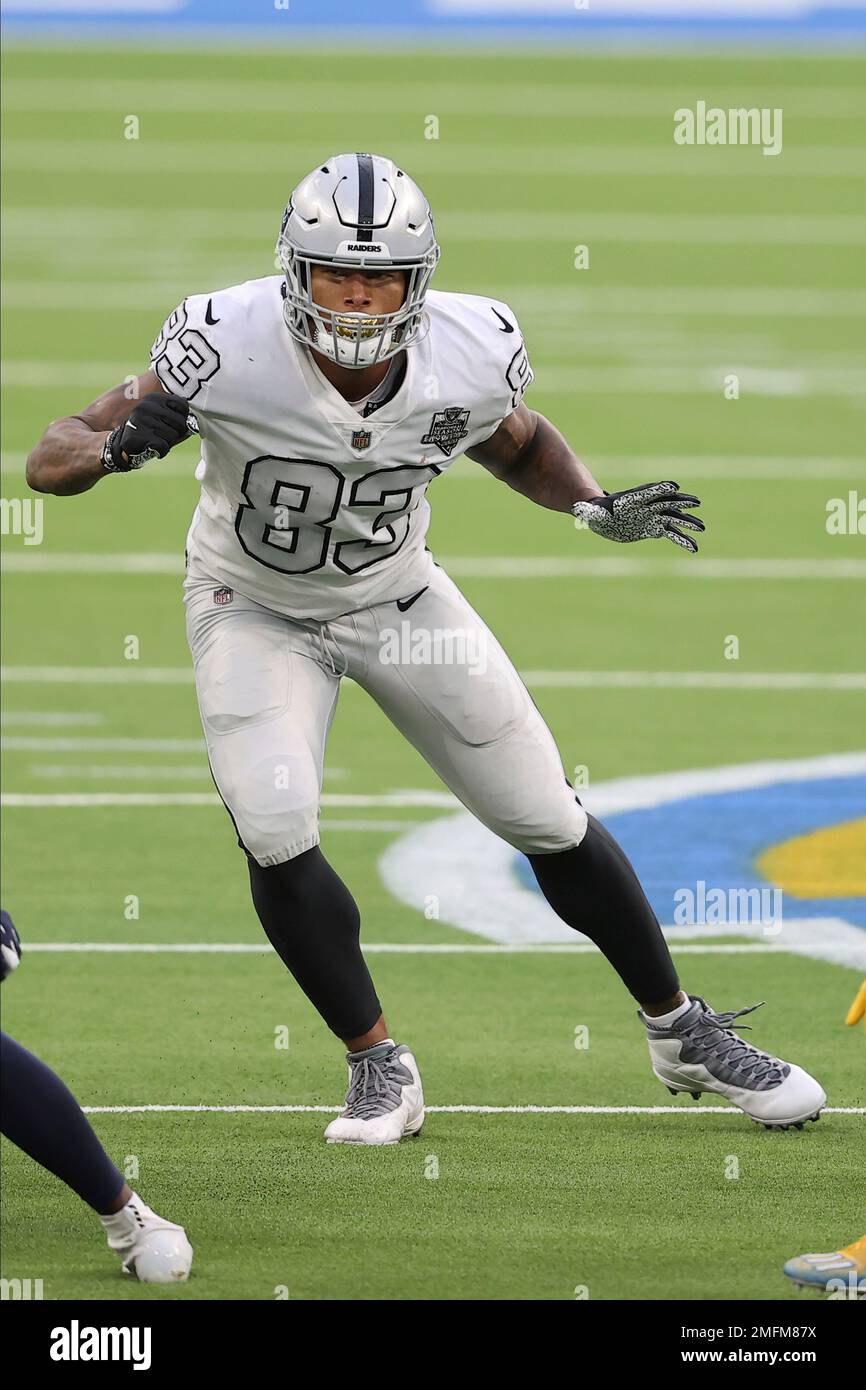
447	428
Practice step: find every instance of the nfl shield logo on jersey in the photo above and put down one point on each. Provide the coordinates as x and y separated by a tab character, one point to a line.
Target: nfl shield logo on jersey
447	428
361	439
222	596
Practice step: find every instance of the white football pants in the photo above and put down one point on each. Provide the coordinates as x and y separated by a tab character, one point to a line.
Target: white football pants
267	690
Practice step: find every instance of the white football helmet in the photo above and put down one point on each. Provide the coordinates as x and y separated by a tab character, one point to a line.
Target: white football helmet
356	210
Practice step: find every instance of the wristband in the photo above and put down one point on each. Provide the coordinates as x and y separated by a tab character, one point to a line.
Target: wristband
107	455
113	464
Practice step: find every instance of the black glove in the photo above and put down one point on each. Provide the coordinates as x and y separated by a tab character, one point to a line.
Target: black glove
641	514
156	424
10	946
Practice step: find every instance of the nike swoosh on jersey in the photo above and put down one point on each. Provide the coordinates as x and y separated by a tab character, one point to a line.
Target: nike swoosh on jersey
506	326
404	603
208	313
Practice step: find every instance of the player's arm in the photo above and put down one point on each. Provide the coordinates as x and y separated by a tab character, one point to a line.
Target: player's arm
113	434
530	454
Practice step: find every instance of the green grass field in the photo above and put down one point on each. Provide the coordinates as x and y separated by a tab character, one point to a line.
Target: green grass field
702	263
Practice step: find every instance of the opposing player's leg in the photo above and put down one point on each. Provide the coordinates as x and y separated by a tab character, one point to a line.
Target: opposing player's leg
42	1117
267	691
443	679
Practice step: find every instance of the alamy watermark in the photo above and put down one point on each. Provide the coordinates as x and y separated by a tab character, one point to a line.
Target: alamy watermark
846	516
736	125
728	907
22	516
21	1289
437	646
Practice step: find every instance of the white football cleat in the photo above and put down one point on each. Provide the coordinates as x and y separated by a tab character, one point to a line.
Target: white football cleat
700	1051
384	1102
156	1251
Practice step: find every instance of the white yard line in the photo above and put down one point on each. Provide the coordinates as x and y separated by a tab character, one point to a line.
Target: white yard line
104	229
543	157
385	948
485	94
13	461
538	679
443	1110
327	823
702	300
749	469
121	772
696	680
49	719
578	379
636	228
32	561
97	675
95	800
564	229
630	567
743	468
389	826
571	300
686	379
26	743
142	772
736	301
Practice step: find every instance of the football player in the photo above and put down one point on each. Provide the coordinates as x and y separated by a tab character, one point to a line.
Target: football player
41	1116
328	399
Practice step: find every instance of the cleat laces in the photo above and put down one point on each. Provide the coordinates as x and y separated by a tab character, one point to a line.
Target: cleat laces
714	1034
375	1087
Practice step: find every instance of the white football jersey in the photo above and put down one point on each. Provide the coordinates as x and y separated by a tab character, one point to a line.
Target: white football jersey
307	506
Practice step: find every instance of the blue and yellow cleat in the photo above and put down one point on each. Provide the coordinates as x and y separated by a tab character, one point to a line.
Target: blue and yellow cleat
839	1271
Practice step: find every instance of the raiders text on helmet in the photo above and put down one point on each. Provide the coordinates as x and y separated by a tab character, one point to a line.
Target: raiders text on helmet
356	210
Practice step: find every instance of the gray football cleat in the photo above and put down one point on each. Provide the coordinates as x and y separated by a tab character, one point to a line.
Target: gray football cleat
701	1052
384	1102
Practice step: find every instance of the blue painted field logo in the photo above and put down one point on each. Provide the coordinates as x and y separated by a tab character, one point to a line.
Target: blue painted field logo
436	646
714	125
728	907
22	516
77	1343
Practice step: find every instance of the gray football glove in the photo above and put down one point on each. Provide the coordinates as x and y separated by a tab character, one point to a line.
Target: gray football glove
641	514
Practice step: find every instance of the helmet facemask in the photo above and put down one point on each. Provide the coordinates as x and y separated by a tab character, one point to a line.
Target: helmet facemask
349	338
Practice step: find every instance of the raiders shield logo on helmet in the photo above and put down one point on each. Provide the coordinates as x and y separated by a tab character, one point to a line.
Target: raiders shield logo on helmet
447	428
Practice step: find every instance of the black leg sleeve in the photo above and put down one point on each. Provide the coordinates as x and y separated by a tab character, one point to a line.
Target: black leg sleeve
312	922
41	1115
594	888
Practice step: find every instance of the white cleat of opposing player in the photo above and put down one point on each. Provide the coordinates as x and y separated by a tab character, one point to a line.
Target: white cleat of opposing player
156	1251
385	1100
700	1051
